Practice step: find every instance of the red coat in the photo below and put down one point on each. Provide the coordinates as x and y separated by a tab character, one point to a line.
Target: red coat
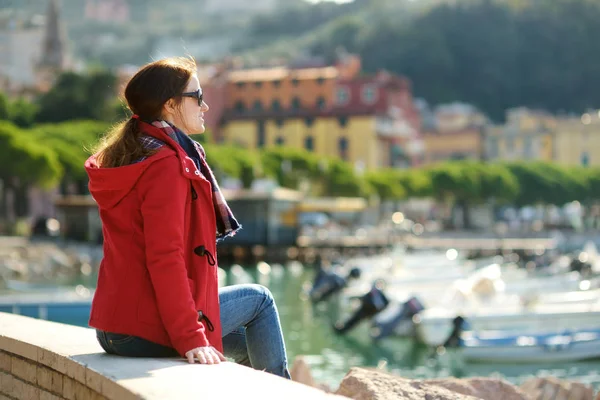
154	277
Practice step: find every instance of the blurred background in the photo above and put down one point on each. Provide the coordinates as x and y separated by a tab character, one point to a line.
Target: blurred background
418	180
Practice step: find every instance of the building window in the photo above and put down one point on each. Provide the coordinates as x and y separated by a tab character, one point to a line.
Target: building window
276	105
309	121
320	81
240	85
279	122
260	134
295	103
276	83
585	159
343	121
239	106
280	141
309	143
369	94
257	105
343	148
295	81
342	96
321	103
258	84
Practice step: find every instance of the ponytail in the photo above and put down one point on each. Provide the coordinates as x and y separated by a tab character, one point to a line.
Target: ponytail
121	145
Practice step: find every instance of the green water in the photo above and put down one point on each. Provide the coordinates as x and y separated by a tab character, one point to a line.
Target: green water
307	331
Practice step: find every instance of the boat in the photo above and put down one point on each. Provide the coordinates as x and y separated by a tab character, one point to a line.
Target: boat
434	325
530	348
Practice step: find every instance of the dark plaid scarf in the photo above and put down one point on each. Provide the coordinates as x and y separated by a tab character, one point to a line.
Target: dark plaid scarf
227	225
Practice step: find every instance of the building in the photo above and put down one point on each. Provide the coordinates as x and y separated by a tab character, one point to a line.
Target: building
20	47
329	110
112	11
577	140
526	135
456	133
54	58
219	7
32	51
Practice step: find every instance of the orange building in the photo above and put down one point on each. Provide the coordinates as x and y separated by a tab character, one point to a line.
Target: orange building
369	121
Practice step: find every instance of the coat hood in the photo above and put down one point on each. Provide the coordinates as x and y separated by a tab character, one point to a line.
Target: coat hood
108	186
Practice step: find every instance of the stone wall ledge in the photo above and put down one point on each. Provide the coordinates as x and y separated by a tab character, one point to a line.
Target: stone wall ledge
51	361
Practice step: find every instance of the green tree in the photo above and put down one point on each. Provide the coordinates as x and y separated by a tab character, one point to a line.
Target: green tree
386	184
4	107
341	180
290	166
72	143
22	113
79	97
24	162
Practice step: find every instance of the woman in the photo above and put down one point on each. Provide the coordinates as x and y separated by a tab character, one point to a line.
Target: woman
162	213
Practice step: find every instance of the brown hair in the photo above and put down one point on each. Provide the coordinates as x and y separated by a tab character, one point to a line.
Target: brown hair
146	93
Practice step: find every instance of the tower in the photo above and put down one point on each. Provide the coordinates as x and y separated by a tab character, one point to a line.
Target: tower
53	47
53	53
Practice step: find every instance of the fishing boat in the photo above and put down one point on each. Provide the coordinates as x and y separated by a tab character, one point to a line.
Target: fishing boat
530	348
434	325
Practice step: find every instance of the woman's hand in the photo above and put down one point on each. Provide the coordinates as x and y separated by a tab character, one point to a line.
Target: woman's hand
205	355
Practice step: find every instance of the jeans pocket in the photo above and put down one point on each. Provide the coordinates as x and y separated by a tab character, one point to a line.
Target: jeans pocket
118	339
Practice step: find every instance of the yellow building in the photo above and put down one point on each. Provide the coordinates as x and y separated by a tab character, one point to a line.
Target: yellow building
526	135
457	134
352	139
370	122
578	140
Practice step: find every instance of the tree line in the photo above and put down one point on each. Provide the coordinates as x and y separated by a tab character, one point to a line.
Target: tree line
52	155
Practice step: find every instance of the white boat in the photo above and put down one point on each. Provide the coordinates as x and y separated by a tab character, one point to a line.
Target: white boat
539	348
434	325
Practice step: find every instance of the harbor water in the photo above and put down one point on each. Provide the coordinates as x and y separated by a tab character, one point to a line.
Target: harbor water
308	332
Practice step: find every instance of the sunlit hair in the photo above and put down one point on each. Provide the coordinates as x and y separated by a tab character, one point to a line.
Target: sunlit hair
146	94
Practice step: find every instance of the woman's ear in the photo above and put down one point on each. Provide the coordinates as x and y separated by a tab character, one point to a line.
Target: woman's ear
169	109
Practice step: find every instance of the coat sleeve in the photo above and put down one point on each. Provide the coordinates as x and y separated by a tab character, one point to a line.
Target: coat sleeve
163	200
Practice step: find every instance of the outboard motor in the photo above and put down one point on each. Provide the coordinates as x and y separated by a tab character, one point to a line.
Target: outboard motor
458	326
370	304
384	328
581	264
328	283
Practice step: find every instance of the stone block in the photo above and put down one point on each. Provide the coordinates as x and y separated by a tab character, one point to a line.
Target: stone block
113	391
75	371
6	383
82	392
5	361
29	392
24	369
48	396
73	390
50	380
94	380
17	388
68	388
52	360
19	348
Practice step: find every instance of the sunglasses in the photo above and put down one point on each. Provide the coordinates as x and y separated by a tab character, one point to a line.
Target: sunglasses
196	95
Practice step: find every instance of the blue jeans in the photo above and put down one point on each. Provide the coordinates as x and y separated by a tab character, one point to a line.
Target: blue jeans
252	333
